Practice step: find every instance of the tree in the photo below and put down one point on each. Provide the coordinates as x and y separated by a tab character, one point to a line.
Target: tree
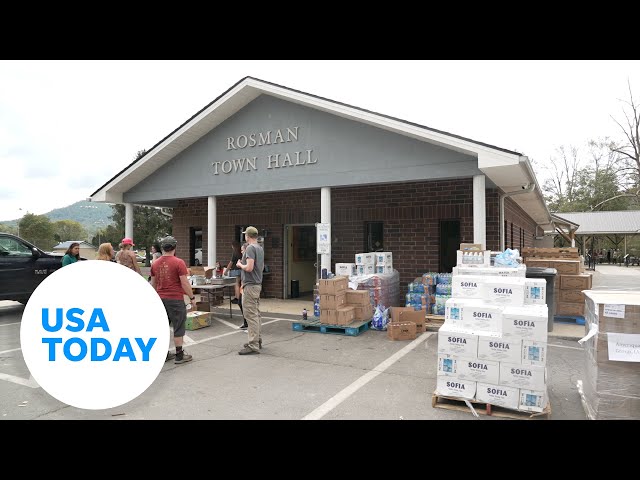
38	230
69	230
111	234
149	225
8	229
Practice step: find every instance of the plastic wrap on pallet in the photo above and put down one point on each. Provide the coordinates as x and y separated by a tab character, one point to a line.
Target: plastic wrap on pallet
439	307
415	287
443	289
383	287
443	278
429	278
610	389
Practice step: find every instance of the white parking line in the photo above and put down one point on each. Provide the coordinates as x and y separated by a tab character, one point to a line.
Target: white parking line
31	383
228	324
195	342
6	324
12	350
346	392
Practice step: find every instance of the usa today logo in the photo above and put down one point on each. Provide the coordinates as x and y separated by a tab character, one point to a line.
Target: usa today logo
94	334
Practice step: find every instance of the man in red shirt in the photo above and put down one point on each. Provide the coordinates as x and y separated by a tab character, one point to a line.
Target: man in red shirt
169	278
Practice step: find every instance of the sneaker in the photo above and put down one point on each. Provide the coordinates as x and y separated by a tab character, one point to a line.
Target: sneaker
184	358
244	326
170	356
246	345
235	301
247	351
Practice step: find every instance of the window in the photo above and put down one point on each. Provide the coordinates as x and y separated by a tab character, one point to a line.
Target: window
304	243
12	248
373	240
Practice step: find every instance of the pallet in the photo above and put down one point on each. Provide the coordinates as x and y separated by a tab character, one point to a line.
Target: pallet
433	322
557	253
571	319
453	403
353	329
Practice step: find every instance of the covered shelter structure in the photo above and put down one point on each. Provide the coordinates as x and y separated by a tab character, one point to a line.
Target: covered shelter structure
592	230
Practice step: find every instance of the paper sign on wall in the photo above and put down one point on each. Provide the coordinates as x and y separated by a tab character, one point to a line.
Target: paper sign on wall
614	311
323	240
624	347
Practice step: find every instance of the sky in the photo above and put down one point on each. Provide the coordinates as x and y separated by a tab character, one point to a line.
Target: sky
67	127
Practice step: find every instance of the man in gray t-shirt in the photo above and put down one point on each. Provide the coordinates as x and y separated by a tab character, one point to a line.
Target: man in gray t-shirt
252	264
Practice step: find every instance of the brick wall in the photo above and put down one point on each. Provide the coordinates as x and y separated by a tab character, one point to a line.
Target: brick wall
517	217
410	214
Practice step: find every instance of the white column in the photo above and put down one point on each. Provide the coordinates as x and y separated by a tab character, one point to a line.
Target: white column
479	211
325	217
212	231
128	220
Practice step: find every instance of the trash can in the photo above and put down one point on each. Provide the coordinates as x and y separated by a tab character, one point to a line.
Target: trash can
295	289
549	274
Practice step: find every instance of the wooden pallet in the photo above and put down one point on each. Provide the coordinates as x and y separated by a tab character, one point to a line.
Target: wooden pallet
550	253
576	319
353	329
433	322
452	403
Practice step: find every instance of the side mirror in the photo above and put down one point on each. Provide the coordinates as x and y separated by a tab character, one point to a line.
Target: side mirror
35	253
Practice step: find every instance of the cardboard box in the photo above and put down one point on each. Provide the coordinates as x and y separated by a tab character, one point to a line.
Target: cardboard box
531	377
575	282
474	247
455	387
197	320
452	342
534	353
453	311
519	271
571	296
500	349
345	315
447	365
203	307
535	291
329	317
468	286
365	259
503	291
362	312
568	267
537	263
332	302
570	309
348	269
533	401
333	286
479	258
529	323
383	269
384	258
358	297
401	331
368	269
499	395
408	314
480	317
485	371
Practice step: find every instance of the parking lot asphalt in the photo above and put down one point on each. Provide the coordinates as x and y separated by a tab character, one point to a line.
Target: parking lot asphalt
298	375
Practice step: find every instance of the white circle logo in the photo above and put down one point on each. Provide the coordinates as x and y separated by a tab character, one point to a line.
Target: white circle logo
94	334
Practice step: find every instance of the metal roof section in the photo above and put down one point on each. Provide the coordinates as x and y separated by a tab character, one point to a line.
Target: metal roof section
68	243
510	171
625	222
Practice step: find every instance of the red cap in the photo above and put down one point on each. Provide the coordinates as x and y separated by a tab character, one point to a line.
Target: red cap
127	241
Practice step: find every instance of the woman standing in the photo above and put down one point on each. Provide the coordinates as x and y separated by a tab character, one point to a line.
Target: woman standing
72	255
105	252
126	256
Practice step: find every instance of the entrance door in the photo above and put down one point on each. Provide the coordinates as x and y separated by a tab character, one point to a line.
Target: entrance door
449	244
301	260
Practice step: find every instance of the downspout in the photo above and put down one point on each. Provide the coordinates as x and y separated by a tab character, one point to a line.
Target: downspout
528	188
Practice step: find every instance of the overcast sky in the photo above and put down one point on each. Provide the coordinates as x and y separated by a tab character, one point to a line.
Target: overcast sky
66	127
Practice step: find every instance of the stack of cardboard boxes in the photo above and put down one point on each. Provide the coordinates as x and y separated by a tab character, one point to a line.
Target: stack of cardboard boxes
340	305
367	264
611	387
492	347
569	281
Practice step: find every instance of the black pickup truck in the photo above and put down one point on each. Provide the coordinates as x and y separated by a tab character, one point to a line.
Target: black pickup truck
22	267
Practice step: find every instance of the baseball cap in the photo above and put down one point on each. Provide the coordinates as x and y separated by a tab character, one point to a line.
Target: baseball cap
252	231
169	240
127	241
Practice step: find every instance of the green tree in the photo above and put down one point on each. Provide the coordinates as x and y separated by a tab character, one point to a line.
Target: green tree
149	225
111	234
8	229
69	230
38	230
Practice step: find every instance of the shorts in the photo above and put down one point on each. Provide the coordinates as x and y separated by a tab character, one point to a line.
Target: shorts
177	313
234	273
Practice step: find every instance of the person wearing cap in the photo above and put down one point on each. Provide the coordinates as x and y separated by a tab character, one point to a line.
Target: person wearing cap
169	278
125	255
252	264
